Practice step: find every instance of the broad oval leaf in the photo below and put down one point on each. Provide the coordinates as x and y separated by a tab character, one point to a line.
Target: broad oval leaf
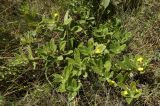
107	65
105	3
67	19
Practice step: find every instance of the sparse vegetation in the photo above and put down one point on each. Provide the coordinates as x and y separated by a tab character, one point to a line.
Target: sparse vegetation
79	53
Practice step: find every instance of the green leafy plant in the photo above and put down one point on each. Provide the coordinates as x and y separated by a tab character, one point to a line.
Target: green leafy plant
83	46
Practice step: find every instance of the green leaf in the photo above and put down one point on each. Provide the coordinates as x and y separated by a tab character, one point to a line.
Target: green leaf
62	88
85	51
133	86
121	78
112	82
72	41
102	31
69	52
85	75
105	3
76	29
57	78
126	37
76	73
67	19
138	94
73	85
98	67
71	61
28	38
111	74
48	49
124	93
77	56
129	100
52	46
30	54
71	95
107	65
67	72
116	48
62	45
100	48
60	58
91	44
